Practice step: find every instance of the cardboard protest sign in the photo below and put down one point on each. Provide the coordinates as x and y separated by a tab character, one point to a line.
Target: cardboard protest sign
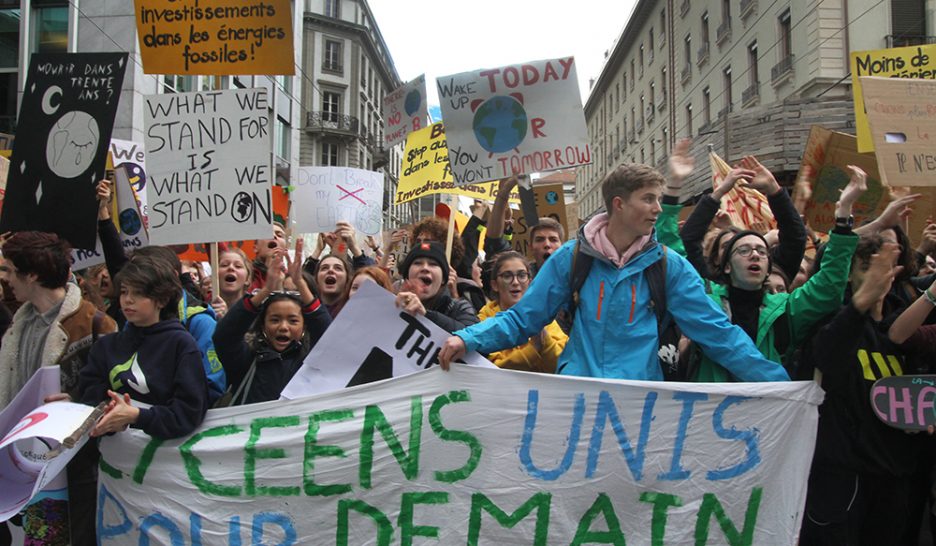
326	195
550	202
405	110
209	177
67	114
825	160
132	155
900	62
513	120
907	402
475	456
902	116
747	207
397	344
216	37
426	171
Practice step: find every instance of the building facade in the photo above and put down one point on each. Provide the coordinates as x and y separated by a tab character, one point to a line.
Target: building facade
347	71
744	76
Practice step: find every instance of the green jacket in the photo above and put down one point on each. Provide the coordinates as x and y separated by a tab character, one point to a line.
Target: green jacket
821	296
667	228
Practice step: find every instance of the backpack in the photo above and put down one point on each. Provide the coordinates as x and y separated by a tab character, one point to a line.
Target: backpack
673	367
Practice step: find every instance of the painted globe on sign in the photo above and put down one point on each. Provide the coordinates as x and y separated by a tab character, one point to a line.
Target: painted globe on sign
552	197
500	124
412	102
72	144
129	222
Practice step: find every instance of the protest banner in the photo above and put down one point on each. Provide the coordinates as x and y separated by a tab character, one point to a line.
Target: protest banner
907	402
902	117
898	62
67	114
216	37
326	195
209	177
402	344
475	456
132	155
426	171
550	202
824	167
410	99
747	207
198	252
513	120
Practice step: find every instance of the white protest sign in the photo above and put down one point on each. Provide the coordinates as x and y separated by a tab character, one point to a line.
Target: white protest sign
405	110
475	456
30	433
208	157
132	155
513	120
396	344
323	196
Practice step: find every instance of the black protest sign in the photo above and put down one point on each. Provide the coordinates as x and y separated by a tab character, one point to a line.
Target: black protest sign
60	149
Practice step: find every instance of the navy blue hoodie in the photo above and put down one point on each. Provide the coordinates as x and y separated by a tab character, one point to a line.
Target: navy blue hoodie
159	365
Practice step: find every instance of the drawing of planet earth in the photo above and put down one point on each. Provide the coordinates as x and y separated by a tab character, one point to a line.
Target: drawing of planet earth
129	222
500	124
412	102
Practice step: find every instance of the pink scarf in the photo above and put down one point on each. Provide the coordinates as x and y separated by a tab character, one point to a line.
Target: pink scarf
596	233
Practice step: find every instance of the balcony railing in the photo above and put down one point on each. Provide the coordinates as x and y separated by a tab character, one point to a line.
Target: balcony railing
723	113
686	73
723	32
330	121
747	7
651	111
781	70
684	8
640	126
751	94
703	54
904	40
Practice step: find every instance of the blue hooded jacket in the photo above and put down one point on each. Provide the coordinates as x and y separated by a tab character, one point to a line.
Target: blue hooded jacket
614	333
200	322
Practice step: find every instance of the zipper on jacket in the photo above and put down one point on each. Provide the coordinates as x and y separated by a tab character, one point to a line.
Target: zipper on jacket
633	303
600	299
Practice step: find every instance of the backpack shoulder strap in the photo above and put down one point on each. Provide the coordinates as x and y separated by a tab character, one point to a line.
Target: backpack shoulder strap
656	281
581	265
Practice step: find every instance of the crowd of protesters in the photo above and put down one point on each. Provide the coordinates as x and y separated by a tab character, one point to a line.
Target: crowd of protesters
635	294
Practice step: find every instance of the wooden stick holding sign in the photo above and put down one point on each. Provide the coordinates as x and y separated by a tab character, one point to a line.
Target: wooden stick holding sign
450	234
215	281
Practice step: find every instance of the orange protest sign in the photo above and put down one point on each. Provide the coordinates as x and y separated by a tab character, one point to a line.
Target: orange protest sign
216	37
747	208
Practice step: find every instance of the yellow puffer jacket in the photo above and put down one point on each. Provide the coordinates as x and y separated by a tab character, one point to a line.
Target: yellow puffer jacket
527	357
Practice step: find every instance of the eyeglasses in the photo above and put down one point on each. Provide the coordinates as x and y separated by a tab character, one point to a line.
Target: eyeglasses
509	276
746	250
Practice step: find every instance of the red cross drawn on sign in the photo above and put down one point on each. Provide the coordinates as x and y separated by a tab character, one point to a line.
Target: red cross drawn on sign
351	194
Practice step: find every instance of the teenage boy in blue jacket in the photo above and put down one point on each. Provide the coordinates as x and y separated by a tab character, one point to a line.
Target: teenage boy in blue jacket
614	332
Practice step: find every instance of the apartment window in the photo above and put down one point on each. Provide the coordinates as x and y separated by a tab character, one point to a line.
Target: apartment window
726	76
705	29
652	94
178	84
663	83
726	10
9	36
643	110
633	75
617	93
331	106
752	65
641	59
332	60
50	26
662	26
363	72
689	120
687	50
664	138
706	106
624	86
650	44
617	138
282	138
329	154
332	8
786	42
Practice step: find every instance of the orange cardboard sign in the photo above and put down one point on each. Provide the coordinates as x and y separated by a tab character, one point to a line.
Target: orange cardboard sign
216	37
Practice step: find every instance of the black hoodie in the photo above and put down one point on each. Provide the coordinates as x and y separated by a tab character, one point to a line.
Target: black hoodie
158	365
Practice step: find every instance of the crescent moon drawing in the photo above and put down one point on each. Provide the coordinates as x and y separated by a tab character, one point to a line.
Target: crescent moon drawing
47	100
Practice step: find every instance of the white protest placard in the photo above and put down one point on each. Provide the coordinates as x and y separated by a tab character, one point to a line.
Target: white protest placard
29	434
132	155
475	456
209	177
513	120
396	344
325	195
405	110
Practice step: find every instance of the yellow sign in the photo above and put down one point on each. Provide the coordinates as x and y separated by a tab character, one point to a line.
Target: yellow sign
216	37
425	170
899	62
